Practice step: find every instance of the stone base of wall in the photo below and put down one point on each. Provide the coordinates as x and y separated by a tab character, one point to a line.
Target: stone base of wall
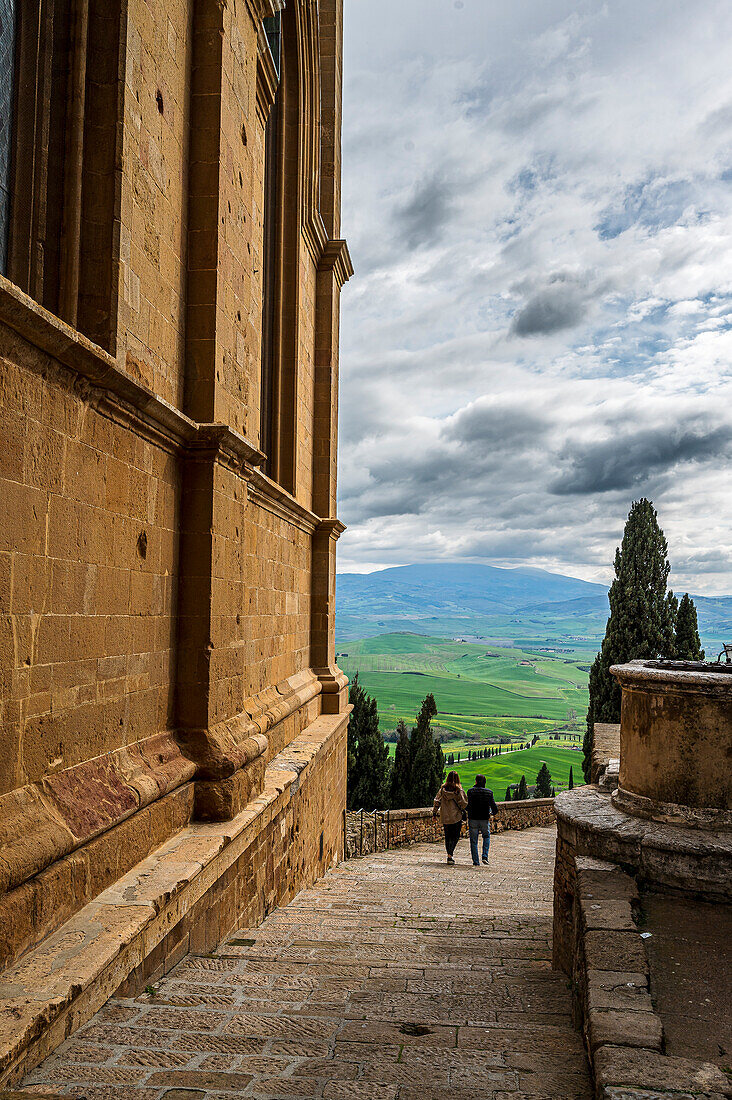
599	946
204	883
383	829
605	749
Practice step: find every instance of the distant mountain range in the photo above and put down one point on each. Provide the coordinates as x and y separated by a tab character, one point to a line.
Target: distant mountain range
498	604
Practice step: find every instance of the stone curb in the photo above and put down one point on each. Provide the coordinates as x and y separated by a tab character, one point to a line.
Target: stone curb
623	1032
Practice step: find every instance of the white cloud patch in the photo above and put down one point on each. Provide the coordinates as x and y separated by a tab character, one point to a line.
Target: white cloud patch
538	200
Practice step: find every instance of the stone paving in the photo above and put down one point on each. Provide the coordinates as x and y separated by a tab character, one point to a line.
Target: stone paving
395	977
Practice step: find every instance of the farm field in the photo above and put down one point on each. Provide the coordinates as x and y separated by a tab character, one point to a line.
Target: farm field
482	691
504	770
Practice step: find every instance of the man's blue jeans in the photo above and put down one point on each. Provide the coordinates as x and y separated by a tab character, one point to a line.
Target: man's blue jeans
484	828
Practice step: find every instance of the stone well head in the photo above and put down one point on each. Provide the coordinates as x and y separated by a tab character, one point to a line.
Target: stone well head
676	742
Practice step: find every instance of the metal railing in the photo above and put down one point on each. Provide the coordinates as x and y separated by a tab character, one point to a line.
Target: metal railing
382	822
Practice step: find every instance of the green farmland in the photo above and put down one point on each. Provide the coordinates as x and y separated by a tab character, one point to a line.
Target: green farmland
483	692
505	770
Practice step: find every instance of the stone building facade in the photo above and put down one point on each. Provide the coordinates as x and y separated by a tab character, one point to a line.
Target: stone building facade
170	274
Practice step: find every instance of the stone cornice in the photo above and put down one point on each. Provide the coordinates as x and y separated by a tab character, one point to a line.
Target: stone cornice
91	372
98	379
332	528
222	442
269	495
314	234
267	79
335	257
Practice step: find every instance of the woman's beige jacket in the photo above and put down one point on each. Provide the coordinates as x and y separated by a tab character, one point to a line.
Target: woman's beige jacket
450	804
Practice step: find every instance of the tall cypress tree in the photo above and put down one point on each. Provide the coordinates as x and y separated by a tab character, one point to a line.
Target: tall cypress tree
427	759
543	783
369	780
642	615
523	791
401	773
570	784
687	643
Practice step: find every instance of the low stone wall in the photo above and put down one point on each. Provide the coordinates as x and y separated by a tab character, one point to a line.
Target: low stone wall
600	947
380	830
605	748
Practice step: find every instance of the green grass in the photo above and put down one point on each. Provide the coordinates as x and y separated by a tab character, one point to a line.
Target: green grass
482	691
504	770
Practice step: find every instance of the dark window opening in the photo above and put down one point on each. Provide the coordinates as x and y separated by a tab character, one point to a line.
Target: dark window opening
8	23
269	287
59	96
273	30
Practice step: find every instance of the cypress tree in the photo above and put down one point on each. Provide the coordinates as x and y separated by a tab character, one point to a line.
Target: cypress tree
523	791
426	757
354	692
401	775
570	784
642	615
544	783
508	794
370	777
687	641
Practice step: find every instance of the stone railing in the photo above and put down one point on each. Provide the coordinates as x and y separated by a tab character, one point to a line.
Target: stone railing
379	830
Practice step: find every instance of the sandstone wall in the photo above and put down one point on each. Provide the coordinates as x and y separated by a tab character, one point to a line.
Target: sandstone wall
167	608
383	829
88	557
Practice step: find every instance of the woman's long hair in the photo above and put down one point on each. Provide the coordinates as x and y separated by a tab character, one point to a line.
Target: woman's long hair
452	782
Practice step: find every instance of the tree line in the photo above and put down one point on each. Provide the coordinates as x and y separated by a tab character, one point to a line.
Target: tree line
519	792
646	619
415	775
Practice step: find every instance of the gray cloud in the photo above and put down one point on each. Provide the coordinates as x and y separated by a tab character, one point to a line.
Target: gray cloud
562	303
421	219
628	460
496	426
549	311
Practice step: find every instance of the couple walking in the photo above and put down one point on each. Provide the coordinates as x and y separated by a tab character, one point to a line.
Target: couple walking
452	803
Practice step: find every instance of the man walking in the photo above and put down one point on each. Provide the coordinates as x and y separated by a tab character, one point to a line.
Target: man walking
481	804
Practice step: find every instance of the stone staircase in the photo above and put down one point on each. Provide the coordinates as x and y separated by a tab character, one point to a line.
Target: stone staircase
395	977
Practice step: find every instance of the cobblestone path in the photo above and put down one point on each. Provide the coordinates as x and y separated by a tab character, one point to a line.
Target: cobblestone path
395	977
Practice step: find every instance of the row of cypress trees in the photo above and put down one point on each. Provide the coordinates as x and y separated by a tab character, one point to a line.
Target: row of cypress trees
419	762
646	620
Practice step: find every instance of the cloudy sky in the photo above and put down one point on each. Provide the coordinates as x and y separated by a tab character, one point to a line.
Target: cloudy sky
538	201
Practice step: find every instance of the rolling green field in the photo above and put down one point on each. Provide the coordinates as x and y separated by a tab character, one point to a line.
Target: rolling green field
507	769
483	692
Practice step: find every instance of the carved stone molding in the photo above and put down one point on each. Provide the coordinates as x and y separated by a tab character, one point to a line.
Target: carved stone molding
271	496
336	258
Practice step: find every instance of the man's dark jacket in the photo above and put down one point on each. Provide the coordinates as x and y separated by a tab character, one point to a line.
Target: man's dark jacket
481	803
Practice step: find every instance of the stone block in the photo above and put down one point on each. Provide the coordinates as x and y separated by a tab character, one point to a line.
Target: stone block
623	1027
607	989
615	951
645	1069
607	914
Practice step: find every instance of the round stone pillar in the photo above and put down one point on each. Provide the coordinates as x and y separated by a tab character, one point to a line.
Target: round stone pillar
676	741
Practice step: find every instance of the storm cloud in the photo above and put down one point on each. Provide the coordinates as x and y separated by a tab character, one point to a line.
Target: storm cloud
426	212
538	202
628	460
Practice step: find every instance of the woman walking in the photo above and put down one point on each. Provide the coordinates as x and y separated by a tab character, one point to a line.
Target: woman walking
450	803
